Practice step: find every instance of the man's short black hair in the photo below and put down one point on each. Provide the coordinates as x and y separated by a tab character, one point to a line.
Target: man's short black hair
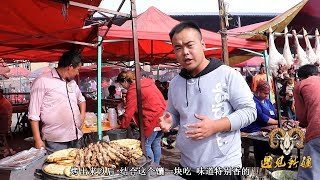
112	89
307	70
1	91
184	25
70	58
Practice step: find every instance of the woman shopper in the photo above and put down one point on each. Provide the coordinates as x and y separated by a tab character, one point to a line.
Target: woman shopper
153	106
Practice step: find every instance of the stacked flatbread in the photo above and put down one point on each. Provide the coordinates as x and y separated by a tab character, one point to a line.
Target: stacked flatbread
60	160
126	152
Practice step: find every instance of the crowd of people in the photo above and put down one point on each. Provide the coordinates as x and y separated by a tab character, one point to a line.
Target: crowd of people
285	85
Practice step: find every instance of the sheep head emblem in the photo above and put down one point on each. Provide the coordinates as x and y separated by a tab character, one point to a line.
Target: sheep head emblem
286	139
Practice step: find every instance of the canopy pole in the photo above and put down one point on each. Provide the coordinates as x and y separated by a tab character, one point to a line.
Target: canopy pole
300	36
223	31
158	72
89	7
266	59
137	73
276	92
278	103
99	55
253	52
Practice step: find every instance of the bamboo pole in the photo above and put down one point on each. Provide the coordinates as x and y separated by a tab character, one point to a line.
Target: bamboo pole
137	73
222	14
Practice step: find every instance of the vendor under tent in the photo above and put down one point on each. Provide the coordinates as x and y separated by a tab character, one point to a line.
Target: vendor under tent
153	27
304	14
48	28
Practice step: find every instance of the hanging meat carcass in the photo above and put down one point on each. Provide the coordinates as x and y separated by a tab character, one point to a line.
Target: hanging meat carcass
276	60
301	57
309	50
317	45
286	49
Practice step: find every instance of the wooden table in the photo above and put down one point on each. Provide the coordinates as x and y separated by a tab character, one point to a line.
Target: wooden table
247	141
90	133
105	127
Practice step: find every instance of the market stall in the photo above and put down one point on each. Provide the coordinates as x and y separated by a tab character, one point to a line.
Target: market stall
106	157
51	49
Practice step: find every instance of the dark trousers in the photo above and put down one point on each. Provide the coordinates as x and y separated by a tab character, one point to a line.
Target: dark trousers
196	176
52	147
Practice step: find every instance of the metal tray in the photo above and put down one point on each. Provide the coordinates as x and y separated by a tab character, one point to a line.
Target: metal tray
40	173
22	159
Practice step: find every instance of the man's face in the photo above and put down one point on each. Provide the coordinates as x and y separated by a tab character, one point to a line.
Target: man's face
73	72
189	49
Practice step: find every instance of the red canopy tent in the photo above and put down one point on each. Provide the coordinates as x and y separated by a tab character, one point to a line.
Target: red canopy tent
153	27
255	61
106	71
38	30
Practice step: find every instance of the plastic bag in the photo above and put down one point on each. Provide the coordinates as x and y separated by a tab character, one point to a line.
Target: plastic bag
22	159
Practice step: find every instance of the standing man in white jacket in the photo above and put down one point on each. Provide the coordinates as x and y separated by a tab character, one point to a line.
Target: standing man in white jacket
210	102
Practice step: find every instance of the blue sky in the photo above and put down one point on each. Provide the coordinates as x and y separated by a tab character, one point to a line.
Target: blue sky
205	6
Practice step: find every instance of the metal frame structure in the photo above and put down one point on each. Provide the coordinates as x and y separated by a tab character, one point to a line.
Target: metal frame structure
133	16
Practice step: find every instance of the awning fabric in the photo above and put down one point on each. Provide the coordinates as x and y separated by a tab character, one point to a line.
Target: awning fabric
308	17
255	61
106	71
3	67
29	29
18	72
153	27
304	14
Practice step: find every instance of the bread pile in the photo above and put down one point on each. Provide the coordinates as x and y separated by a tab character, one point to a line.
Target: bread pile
124	152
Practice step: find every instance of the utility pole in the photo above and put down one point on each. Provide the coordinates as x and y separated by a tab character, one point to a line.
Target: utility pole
223	30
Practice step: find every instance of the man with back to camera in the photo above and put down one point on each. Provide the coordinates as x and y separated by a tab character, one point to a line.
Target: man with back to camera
56	101
307	103
211	102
